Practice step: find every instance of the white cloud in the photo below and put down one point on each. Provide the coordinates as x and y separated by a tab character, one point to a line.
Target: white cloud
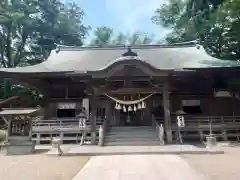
131	13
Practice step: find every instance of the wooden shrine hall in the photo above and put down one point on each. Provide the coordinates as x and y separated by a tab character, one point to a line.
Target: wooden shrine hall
131	91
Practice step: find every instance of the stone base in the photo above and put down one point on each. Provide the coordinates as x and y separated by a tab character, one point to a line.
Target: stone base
56	149
20	148
211	142
55	152
124	150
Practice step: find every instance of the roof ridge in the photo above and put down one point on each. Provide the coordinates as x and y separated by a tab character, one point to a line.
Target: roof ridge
113	47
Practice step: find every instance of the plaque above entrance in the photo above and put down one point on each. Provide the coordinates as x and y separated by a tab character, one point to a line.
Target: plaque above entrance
66	105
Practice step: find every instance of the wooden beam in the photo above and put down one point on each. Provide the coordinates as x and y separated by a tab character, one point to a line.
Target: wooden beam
134	90
93	117
167	113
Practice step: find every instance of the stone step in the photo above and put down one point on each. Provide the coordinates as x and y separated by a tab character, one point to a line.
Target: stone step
131	139
131	135
132	129
132	132
133	143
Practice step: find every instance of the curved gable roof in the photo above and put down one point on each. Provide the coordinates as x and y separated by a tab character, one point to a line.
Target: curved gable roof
162	57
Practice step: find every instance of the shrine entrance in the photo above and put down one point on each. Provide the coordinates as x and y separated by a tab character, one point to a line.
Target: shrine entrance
131	110
132	118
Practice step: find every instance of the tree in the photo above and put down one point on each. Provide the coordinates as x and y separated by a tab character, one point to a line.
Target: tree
136	38
120	39
202	7
29	30
102	35
59	23
15	28
218	32
170	16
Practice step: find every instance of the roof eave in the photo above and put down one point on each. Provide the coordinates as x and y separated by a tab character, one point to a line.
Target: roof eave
6	74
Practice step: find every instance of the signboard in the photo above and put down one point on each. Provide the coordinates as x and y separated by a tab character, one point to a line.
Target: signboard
180	121
82	123
191	102
66	105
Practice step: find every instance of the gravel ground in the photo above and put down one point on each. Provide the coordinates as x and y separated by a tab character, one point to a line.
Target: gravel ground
217	167
40	167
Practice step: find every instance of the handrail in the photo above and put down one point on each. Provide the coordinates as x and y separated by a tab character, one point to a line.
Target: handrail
159	130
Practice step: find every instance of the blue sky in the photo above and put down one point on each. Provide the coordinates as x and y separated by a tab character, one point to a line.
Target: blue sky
122	15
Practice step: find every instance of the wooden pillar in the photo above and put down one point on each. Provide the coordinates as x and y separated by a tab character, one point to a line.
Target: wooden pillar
93	120
38	141
108	112
167	115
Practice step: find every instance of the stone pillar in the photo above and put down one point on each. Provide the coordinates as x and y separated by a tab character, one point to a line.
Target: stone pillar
167	115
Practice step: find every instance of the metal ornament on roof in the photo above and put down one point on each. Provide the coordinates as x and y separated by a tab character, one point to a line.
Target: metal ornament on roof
129	52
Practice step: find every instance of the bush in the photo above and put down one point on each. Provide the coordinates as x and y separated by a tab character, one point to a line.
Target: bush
3	135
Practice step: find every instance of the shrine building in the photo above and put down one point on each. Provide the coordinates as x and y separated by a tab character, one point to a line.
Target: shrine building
133	90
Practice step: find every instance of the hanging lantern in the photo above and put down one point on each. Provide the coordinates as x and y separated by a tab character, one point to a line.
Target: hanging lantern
135	108
130	108
124	109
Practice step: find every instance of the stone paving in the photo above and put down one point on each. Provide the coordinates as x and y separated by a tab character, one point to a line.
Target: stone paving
124	150
138	167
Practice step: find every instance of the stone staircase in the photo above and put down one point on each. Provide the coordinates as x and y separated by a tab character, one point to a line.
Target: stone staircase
132	136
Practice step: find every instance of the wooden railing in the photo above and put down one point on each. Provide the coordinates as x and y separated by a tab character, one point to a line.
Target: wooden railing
67	129
205	121
197	127
55	123
61	123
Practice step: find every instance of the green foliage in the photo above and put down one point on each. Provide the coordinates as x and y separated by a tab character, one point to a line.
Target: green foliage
214	23
58	23
104	36
29	30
